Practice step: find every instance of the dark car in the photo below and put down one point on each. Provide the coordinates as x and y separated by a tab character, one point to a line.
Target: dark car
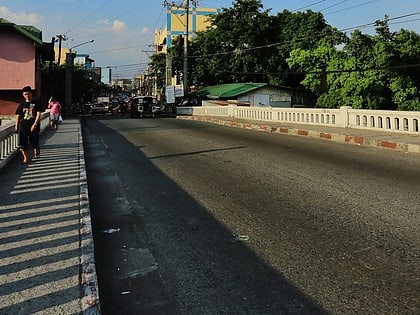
99	108
145	106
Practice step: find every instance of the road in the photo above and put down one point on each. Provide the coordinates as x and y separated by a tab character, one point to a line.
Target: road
195	218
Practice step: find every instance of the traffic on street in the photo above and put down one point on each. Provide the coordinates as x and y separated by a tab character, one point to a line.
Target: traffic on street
195	218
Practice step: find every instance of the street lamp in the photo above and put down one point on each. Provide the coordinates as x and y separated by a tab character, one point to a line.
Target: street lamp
69	76
84	43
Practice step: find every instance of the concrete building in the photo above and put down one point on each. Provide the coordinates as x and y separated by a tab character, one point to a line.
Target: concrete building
24	60
198	20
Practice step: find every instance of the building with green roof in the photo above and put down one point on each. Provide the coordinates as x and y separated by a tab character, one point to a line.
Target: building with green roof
256	94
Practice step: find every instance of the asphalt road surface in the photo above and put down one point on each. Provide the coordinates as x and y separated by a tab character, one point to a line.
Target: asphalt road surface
196	218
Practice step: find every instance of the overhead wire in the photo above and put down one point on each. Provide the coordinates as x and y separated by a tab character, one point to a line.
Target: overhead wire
309	5
243	50
352	7
88	16
333	5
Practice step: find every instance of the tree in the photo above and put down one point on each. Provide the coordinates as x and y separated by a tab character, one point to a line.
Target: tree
227	51
158	69
370	72
246	44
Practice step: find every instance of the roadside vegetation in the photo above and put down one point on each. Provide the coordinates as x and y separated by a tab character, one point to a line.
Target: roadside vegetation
246	43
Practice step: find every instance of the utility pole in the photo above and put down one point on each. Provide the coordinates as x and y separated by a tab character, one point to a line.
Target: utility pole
60	39
185	74
69	83
186	7
68	100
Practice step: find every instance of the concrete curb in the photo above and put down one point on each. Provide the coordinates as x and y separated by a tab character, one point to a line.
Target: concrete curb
90	300
337	137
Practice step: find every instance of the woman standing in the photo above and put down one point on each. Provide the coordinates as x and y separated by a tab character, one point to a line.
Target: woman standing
55	112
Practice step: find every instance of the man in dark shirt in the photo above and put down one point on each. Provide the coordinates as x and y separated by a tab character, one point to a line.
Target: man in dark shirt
28	117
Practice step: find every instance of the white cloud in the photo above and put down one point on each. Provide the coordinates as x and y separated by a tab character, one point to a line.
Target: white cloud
145	30
118	25
20	17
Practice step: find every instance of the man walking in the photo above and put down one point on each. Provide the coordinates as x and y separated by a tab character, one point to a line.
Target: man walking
28	117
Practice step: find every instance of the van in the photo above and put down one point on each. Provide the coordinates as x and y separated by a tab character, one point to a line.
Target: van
145	106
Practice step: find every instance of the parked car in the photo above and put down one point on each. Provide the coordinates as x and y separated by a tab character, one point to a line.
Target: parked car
86	108
141	106
99	108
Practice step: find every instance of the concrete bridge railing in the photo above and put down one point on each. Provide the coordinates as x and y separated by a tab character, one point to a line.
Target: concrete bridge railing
344	117
9	140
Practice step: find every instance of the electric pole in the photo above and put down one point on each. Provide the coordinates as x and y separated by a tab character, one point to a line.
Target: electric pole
186	7
60	39
185	75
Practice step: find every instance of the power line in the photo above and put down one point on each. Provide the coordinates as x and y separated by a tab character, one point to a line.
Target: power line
352	7
333	5
88	16
309	5
243	50
398	67
116	49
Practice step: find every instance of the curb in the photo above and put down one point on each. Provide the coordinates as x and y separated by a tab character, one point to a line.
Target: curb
90	300
337	137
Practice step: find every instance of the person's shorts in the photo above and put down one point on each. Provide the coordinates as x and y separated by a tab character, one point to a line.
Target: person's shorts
54	117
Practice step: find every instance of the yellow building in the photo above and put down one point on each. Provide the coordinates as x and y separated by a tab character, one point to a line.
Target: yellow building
198	20
60	54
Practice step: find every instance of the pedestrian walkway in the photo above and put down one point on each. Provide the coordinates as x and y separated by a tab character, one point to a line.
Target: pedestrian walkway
46	247
372	138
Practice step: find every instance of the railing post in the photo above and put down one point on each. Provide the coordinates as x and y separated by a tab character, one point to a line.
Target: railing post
231	111
343	120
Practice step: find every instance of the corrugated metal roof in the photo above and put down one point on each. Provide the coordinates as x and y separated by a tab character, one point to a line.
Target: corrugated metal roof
228	90
28	31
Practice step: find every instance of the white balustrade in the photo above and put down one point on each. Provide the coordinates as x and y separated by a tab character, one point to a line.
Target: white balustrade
9	140
344	117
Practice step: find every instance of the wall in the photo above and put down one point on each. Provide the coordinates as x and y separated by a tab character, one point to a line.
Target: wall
345	117
17	61
175	22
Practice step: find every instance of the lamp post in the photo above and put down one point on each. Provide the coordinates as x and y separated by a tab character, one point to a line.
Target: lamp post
84	43
69	77
185	74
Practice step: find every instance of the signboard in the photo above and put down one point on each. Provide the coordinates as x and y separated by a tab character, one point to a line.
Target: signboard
179	91
170	94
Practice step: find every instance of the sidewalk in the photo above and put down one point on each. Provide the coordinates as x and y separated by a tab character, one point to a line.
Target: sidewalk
372	138
46	247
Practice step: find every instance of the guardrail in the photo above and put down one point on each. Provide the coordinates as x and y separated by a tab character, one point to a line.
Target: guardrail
344	117
9	140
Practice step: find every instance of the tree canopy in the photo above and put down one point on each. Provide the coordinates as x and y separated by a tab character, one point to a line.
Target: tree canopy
246	43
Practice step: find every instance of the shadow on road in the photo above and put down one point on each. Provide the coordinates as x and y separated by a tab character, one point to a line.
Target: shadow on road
158	251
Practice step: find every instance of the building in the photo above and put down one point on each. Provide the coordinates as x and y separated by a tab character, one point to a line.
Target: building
24	60
83	60
198	20
255	94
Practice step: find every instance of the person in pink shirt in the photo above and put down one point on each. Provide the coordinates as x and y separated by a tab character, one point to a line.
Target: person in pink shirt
55	112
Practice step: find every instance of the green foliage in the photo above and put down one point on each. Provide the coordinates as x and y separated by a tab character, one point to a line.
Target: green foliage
158	66
369	72
245	43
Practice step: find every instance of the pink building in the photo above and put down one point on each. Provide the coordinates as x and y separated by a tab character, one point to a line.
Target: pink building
22	62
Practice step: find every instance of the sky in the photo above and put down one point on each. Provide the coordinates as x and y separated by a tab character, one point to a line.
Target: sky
123	30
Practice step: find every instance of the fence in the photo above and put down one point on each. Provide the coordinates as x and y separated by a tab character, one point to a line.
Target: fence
344	117
9	140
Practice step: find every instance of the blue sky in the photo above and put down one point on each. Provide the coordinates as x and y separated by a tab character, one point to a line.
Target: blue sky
123	30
